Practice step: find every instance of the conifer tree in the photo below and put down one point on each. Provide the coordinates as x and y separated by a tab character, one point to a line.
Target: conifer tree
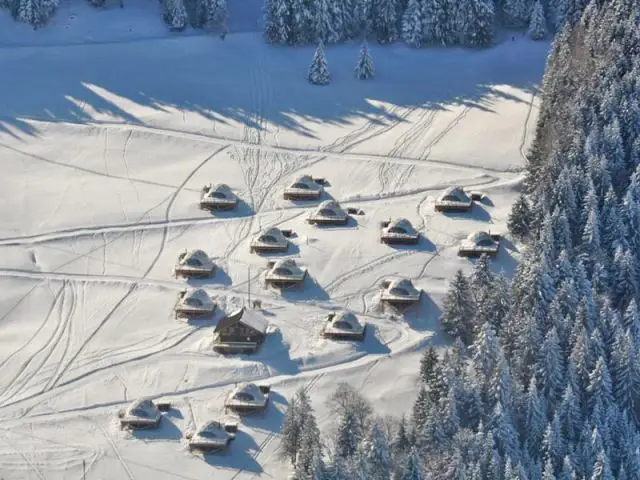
385	21
457	309
537	22
278	22
319	70
413	468
290	432
476	23
364	68
412	19
516	12
175	14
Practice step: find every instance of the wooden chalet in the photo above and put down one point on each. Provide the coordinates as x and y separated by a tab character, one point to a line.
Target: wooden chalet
241	332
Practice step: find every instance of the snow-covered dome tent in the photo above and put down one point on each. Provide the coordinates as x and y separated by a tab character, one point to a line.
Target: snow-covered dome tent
454	199
212	436
400	291
194	263
328	212
344	325
478	243
218	197
399	230
270	240
247	398
142	413
304	187
285	272
194	302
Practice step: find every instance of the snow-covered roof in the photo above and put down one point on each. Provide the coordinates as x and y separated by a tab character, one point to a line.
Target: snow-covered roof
287	264
334	209
220	188
252	319
196	254
457	193
142	404
305	180
274	232
196	295
247	393
401	223
401	284
477	238
343	317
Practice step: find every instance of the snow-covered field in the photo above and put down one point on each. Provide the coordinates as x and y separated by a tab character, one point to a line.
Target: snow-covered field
104	148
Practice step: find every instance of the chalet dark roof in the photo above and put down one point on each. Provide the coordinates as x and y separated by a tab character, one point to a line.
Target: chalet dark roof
246	317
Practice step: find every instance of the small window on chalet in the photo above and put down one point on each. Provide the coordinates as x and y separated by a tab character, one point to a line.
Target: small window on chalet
451	198
194	262
301	185
326	212
342	325
243	397
139	412
398	291
208	434
485	242
396	230
285	272
268	239
219	195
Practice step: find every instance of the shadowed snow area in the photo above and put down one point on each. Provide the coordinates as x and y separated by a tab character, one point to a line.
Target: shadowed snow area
105	148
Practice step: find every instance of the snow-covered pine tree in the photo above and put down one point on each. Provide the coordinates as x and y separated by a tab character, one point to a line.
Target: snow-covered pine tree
385	21
303	28
30	12
376	452
413	467
348	435
290	433
476	22
443	19
324	27
516	12
458	309
218	15
412	23
429	15
174	14
364	68
278	22
339	19
537	22
318	73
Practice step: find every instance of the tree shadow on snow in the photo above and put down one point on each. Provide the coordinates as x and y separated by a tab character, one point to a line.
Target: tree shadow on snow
407	78
243	209
310	290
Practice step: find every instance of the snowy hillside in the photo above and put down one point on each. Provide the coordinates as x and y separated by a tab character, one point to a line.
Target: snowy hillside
105	148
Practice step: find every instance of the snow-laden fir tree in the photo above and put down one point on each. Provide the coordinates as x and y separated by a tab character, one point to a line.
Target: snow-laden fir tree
516	12
218	15
476	20
458	309
291	433
278	22
537	22
35	12
303	29
385	21
413	468
412	23
324	27
519	221
364	68
318	73
175	14
429	15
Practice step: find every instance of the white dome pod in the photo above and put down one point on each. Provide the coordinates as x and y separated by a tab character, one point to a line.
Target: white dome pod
399	230
194	263
142	413
454	199
270	240
344	325
304	187
248	398
213	436
218	197
479	243
328	212
194	302
285	273
400	291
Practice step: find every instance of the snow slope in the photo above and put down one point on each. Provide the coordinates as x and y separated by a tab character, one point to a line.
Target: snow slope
104	148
